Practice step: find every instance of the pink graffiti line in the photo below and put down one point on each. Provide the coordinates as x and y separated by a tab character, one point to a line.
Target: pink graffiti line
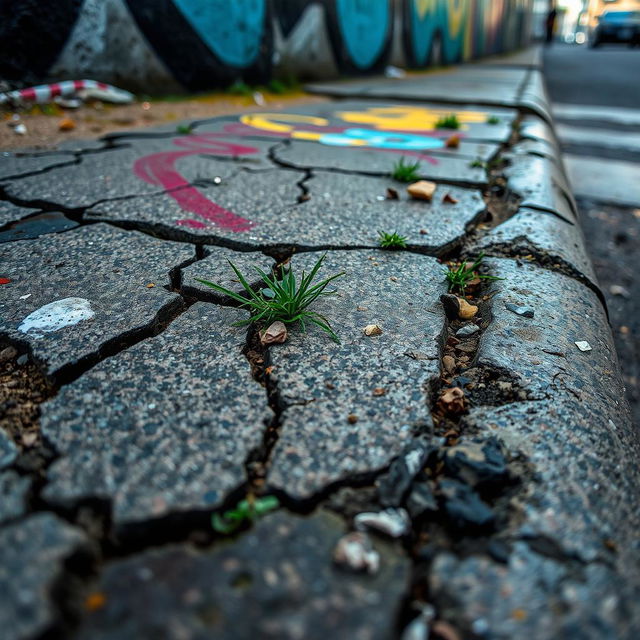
160	169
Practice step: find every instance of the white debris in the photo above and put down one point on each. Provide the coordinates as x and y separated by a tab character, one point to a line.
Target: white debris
24	297
420	627
394	72
392	522
583	345
356	552
258	98
57	315
20	129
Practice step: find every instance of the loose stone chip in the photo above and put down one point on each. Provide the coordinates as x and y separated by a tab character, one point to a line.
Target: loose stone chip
583	345
392	522
372	330
453	142
275	333
466	311
356	552
422	190
449	199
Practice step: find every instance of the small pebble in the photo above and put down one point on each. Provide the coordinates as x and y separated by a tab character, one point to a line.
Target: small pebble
467	330
526	312
583	345
372	330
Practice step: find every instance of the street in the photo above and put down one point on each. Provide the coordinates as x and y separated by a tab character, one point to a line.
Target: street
596	102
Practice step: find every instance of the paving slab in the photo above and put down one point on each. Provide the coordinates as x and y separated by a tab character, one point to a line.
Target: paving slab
540	184
542	234
105	272
13	495
467	85
32	553
349	409
276	581
8	450
342	210
392	124
534	596
143	167
36	224
216	268
14	164
459	169
163	427
10	212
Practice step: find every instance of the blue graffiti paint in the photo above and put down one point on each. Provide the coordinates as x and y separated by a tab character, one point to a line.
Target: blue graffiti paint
231	30
455	20
381	140
426	20
363	26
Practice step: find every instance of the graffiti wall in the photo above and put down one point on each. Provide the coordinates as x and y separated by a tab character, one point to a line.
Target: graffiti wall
167	45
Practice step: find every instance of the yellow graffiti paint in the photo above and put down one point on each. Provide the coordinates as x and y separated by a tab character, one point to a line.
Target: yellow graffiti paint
422	7
407	118
279	122
456	13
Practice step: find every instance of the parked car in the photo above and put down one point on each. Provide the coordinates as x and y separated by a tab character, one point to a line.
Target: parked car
616	26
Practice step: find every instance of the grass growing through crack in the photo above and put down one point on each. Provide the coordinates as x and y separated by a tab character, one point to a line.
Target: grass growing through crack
493	120
448	122
460	277
184	129
477	164
244	512
405	172
286	300
391	240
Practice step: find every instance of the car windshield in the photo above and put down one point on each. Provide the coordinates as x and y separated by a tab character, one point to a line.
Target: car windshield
620	16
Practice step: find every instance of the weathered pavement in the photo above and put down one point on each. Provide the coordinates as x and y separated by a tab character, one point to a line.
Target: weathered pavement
135	409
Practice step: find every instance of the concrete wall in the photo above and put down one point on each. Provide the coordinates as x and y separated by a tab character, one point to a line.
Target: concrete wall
168	45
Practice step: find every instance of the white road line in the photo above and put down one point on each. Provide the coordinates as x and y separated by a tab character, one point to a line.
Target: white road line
603	179
618	115
608	138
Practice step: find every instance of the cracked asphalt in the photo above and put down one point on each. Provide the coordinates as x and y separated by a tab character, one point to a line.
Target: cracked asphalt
449	477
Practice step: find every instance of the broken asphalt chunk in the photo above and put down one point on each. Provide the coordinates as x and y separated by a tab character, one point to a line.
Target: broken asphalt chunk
526	312
480	464
464	508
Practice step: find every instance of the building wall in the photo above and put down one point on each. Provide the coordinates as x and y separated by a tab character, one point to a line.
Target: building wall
167	45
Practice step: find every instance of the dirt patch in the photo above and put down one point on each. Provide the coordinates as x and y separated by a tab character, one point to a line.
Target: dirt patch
23	388
97	119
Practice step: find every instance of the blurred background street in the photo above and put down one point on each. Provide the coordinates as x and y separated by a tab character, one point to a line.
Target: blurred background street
596	99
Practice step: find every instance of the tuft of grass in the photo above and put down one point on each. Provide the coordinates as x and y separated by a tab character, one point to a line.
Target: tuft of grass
184	129
405	172
448	122
460	277
283	85
240	88
477	164
493	120
244	512
391	240
286	300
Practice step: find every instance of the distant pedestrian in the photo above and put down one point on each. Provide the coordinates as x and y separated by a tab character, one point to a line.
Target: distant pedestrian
551	24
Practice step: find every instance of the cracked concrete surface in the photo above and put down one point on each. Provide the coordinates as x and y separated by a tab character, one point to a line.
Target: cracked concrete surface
522	521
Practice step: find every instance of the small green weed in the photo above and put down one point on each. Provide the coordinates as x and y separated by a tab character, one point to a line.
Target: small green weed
460	277
285	300
240	88
244	512
391	240
184	129
448	122
477	164
283	85
405	172
493	120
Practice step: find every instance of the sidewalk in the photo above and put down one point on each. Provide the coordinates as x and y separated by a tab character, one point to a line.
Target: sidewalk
136	410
